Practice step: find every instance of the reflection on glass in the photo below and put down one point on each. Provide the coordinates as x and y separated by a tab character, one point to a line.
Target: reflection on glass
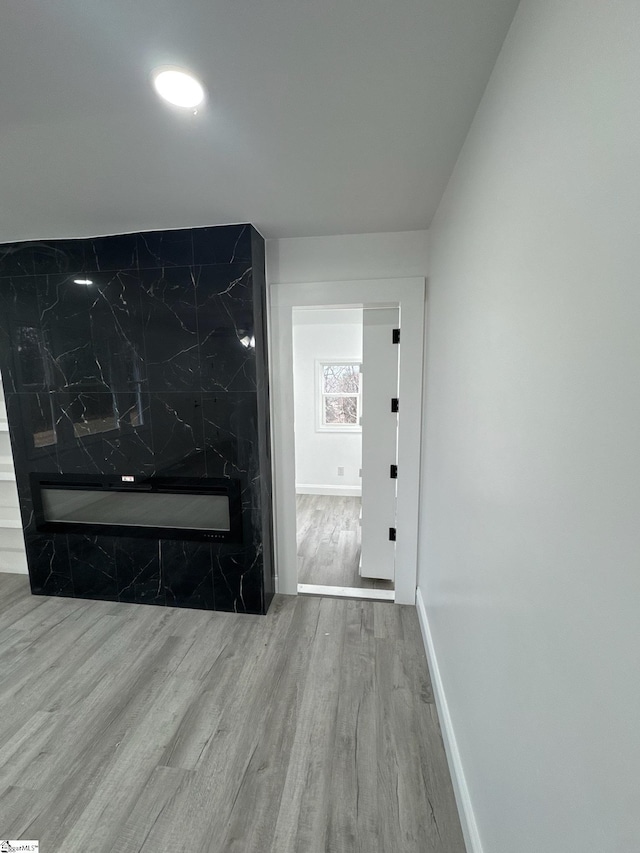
44	438
30	357
137	509
132	416
43	428
93	413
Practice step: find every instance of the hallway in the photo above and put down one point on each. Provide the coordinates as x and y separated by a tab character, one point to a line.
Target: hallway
134	728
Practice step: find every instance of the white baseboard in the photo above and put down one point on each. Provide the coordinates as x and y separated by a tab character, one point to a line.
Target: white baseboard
460	788
338	491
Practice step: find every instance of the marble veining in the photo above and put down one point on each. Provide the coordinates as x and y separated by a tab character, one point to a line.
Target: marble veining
142	354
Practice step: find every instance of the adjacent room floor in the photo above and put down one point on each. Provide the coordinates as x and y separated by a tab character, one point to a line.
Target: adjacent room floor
137	728
329	542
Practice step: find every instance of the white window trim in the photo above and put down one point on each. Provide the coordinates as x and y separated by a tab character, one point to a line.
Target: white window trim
320	395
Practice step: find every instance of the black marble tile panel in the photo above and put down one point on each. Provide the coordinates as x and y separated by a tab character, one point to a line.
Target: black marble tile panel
7	358
93	567
230	428
130	451
70	361
177	430
118	252
161	249
104	433
138	571
33	445
263	414
16	259
237	581
168	303
33	431
30	361
82	419
49	567
60	256
226	328
222	244
22	355
187	573
117	329
92	335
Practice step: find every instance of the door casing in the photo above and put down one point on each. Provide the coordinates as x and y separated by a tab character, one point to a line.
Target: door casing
409	295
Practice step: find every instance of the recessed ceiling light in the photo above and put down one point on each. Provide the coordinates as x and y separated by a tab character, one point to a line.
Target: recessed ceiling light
82	281
179	87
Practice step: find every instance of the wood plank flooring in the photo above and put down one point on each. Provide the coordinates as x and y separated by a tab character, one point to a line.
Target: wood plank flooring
141	729
329	542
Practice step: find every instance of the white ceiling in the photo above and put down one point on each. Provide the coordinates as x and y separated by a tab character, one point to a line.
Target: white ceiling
324	116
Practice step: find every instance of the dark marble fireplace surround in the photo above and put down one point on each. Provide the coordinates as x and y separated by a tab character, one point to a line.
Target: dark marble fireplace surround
145	371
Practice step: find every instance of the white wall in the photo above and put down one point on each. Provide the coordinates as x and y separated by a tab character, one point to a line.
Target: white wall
347	257
321	335
530	520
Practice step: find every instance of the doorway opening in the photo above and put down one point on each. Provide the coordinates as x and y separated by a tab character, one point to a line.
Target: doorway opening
409	295
345	374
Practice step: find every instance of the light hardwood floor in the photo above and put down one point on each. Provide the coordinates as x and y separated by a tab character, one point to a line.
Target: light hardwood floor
329	542
142	729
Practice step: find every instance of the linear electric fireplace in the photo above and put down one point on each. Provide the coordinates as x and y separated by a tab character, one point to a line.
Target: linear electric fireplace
206	508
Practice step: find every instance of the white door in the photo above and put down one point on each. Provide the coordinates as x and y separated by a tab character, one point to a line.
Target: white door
379	441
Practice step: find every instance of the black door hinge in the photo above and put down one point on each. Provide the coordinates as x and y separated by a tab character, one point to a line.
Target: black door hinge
396	336
392	534
395	404
393	472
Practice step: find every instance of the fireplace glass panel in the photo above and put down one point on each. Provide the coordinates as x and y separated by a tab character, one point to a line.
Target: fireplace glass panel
136	509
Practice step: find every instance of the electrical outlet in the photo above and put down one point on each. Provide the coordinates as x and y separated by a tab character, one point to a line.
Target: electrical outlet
340	471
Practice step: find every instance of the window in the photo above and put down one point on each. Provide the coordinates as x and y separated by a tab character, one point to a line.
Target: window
340	395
